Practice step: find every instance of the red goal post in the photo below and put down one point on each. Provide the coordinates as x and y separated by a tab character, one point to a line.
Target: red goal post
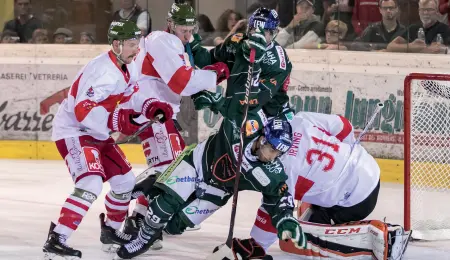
427	156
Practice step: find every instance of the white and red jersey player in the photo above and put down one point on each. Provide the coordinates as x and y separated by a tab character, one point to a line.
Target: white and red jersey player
325	168
166	72
81	131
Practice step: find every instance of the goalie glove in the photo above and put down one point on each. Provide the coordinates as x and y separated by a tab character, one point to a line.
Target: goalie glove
289	228
207	99
240	250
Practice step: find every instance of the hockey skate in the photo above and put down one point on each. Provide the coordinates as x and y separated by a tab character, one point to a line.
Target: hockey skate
56	248
111	238
132	226
137	247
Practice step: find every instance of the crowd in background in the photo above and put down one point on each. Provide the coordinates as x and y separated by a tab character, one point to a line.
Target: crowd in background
358	25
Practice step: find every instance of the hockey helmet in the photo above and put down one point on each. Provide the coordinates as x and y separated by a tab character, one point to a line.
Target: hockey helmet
278	133
264	18
123	30
182	13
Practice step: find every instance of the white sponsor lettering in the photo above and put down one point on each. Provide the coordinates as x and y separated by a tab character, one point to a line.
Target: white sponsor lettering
261	176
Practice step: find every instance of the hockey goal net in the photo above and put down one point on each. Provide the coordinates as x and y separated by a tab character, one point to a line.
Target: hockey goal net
427	156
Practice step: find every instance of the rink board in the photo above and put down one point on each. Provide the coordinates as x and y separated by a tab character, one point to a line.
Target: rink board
391	170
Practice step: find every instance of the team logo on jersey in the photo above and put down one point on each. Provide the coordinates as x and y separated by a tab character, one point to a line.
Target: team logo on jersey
274	167
251	127
90	92
92	156
237	37
270	59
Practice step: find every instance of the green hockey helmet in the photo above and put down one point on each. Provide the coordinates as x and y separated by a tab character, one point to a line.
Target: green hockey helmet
123	30
182	14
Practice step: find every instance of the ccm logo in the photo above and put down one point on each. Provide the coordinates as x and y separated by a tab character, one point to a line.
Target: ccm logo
341	231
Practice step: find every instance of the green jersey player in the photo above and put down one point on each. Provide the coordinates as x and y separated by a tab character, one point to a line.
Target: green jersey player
202	178
272	66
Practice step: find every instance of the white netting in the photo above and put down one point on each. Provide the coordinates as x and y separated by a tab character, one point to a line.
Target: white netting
430	159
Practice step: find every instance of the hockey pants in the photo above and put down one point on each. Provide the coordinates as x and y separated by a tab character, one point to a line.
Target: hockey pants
185	198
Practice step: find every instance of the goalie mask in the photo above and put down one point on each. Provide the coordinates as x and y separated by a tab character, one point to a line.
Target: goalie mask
264	18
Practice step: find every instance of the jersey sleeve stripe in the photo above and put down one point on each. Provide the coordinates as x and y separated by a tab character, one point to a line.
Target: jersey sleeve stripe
180	79
74	88
346	129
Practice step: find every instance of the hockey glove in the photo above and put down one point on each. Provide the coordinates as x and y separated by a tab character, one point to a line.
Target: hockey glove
153	107
257	41
121	120
195	42
207	99
221	69
241	249
289	228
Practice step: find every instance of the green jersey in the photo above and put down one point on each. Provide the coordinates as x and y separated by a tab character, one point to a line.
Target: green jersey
270	78
219	163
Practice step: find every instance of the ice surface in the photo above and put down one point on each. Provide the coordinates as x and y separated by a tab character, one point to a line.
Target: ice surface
32	192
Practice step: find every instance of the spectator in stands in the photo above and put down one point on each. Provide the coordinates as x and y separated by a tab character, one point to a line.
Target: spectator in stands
433	29
444	9
341	10
334	34
378	35
303	27
25	23
229	22
62	36
9	37
365	12
132	11
40	36
86	38
205	30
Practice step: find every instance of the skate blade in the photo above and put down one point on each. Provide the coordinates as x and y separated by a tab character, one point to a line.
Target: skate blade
196	227
110	248
158	245
52	256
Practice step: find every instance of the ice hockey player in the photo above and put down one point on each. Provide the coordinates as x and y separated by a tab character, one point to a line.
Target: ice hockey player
208	171
81	131
271	70
328	170
167	71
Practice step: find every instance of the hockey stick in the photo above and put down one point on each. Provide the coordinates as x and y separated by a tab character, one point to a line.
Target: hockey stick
248	85
142	129
369	124
138	132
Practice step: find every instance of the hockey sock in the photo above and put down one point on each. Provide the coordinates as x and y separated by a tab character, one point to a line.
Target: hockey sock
116	208
159	213
73	211
141	206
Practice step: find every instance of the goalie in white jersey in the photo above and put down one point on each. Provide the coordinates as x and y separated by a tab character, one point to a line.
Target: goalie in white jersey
81	131
328	169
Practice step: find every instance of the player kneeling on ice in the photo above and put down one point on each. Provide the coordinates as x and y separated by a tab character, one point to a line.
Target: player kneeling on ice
81	130
202	177
330	170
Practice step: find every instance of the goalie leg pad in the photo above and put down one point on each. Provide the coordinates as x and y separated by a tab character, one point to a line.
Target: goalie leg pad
355	240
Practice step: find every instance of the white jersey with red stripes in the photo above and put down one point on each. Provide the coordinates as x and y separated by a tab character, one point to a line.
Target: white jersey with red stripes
98	88
166	72
324	166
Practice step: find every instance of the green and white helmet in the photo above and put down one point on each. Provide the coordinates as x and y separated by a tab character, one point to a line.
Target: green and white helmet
182	14
123	30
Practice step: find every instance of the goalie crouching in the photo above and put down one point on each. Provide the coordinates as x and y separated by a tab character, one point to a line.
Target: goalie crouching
329	169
